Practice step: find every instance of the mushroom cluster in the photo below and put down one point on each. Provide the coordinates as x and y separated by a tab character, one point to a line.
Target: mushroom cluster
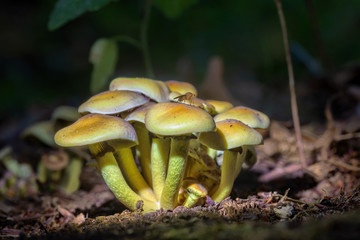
174	136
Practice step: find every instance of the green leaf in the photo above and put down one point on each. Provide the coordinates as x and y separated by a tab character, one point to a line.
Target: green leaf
67	10
103	55
173	8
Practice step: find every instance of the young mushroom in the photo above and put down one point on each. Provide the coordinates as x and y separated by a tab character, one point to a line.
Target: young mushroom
101	133
229	136
195	191
177	121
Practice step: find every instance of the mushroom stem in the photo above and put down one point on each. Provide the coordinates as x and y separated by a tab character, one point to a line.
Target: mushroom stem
227	176
177	160
211	152
250	157
114	179
144	149
70	182
159	161
239	161
41	172
132	174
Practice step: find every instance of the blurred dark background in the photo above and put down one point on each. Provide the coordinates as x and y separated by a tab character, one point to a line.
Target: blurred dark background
41	69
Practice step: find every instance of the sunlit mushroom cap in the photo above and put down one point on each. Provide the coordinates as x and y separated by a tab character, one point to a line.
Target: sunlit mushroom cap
172	119
220	106
230	134
113	102
181	87
250	117
194	187
150	88
96	128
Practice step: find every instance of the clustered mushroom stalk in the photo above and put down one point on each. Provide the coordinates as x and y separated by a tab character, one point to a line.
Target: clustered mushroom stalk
178	138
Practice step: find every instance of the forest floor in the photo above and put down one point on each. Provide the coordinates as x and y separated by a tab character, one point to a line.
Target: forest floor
276	199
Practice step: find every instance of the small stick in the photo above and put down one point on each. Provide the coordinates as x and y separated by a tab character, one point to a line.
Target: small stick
294	108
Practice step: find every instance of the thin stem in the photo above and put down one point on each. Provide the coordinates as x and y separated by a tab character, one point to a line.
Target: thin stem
114	179
132	174
159	161
294	108
145	151
71	182
130	40
227	176
177	160
144	39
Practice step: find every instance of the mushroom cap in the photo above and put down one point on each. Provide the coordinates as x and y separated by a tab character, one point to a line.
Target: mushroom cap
55	160
173	119
42	131
181	87
250	117
96	128
230	134
194	187
139	114
66	113
113	102
220	106
193	101
151	88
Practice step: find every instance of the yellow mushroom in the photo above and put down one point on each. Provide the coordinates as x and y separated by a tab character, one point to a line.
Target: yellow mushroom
101	133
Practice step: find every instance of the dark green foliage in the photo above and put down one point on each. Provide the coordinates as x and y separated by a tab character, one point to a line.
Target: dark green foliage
67	10
173	8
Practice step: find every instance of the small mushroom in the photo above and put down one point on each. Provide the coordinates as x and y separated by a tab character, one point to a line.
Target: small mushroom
177	121
229	136
55	160
195	192
181	87
101	133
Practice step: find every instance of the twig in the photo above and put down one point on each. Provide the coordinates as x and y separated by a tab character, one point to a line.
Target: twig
144	39
346	136
294	108
286	198
279	172
344	165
